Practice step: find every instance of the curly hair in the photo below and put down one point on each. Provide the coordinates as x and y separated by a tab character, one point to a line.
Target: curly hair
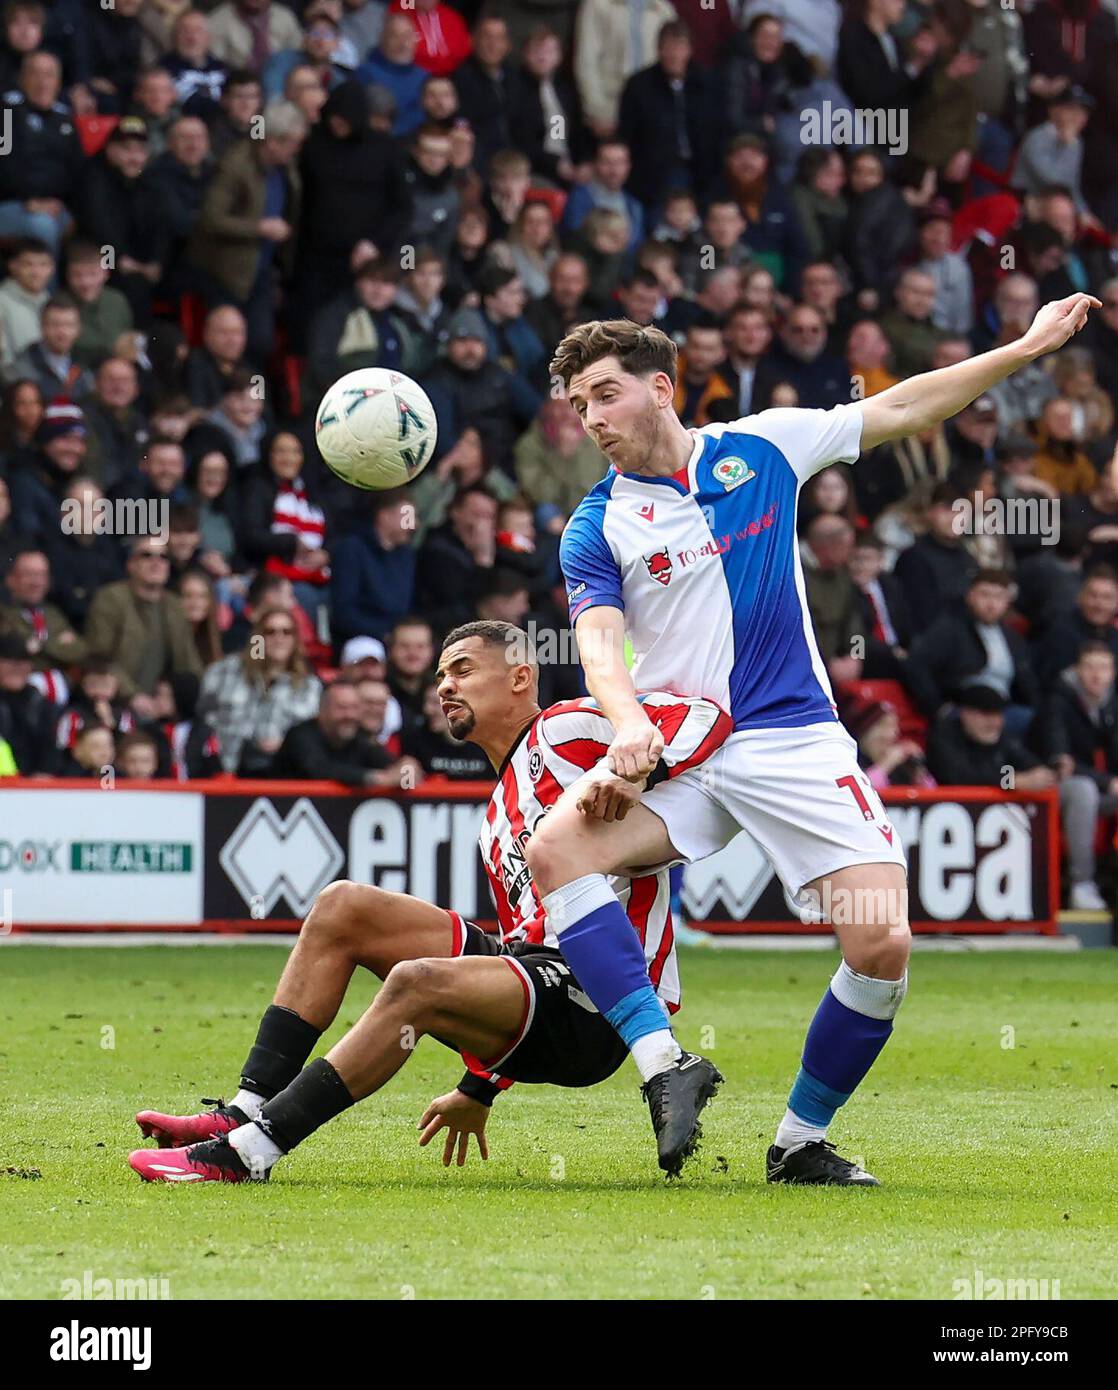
640	350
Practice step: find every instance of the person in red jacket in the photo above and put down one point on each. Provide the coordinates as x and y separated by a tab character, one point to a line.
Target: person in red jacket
444	39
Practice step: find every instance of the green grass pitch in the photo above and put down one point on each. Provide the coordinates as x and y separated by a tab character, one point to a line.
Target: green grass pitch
990	1119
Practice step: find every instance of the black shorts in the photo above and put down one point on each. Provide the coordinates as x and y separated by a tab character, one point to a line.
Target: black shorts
564	1040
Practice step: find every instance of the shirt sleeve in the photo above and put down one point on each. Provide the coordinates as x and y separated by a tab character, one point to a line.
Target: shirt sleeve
809	439
590	570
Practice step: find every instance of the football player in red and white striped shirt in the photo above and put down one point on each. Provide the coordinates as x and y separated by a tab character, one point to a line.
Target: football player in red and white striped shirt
508	1002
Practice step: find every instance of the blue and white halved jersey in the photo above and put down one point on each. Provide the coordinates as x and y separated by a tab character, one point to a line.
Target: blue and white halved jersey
707	571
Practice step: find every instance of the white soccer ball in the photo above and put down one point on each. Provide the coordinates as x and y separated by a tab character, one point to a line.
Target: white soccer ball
376	428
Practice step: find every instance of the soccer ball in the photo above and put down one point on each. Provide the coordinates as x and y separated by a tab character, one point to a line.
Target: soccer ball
376	428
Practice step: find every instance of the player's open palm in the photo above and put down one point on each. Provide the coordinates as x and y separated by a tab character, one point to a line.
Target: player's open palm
1058	321
636	749
460	1116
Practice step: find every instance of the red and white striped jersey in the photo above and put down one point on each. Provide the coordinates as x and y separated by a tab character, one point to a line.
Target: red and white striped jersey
555	750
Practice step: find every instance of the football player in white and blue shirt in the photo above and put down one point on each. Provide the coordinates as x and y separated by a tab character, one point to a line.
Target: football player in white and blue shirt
688	548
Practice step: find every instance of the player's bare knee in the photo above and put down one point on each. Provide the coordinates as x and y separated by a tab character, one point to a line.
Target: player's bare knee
548	859
421	989
881	952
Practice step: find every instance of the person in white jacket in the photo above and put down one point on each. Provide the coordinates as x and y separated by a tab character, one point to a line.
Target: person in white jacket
614	39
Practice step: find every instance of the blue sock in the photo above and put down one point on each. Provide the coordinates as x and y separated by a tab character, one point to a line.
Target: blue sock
851	1026
599	944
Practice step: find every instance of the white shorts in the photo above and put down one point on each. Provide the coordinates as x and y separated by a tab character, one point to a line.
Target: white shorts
798	792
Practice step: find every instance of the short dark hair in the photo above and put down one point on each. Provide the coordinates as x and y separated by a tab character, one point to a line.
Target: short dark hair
1106	572
991	576
1094	647
640	350
494	633
31	246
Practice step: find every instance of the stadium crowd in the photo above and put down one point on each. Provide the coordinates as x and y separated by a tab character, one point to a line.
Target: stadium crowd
208	212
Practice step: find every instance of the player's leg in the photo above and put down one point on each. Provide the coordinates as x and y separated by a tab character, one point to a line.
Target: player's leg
476	1004
350	925
570	855
867	907
801	794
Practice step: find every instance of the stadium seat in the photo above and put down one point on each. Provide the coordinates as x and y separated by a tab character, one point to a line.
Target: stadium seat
912	722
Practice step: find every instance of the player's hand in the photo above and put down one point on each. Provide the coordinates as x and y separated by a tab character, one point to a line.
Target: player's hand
1058	321
636	749
460	1117
606	796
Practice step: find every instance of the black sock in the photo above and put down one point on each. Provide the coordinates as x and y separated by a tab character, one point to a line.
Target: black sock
283	1044
316	1095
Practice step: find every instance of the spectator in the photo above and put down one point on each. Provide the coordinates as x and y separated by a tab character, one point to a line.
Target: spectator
45	631
180	178
355	194
411	656
953	309
253	697
720	241
611	43
818	199
440	755
26	716
975	647
456	558
666	113
480	392
908	324
39	487
374	571
238	113
91	754
557	463
50	362
969	746
1052	153
362	21
22	29
188	748
1101	335
283	527
118	429
1059	460
559	150
888	759
120	207
937	570
211	491
1076	381
512	342
246	33
333	747
155	102
490	88
83	557
359	328
392	65
199	77
880	229
21	413
1080	741
105	311
12	541
465	464
236	424
305	91
221	353
37	189
244	238
885	616
95	703
868	356
822	289
160	481
532	249
833	599
322	49
378	712
874	69
606	189
137	757
140	627
1096	513
420	306
801	358
23	295
773	230
199	606
699	380
1090	618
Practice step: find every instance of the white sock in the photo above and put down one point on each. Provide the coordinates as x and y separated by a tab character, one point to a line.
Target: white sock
794	1133
248	1103
656	1052
258	1153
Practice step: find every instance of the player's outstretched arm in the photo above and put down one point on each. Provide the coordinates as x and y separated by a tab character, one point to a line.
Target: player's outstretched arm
927	400
637	743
